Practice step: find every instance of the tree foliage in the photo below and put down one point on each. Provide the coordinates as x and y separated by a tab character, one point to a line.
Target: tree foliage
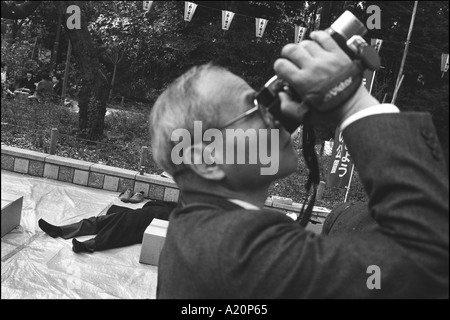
157	47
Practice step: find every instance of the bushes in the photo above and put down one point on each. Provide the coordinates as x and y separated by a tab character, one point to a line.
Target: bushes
27	125
16	57
294	186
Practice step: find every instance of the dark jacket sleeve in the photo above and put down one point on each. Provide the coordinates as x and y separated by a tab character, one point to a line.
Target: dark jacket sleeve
402	168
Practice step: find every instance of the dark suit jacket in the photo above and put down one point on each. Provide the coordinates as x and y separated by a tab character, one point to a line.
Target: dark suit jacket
121	226
44	89
230	252
29	84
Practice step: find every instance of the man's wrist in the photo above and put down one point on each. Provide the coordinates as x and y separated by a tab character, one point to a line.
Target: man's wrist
373	110
360	101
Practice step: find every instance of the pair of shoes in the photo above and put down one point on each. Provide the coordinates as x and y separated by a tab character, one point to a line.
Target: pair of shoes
130	196
126	195
137	197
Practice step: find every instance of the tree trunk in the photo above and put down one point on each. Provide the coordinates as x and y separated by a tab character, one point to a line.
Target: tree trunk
312	23
92	100
325	15
116	62
56	43
112	82
93	96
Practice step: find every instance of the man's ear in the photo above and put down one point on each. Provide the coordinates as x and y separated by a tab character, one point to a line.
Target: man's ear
206	168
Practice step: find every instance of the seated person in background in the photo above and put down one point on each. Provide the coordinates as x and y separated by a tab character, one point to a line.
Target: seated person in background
57	86
44	89
3	77
6	83
121	226
27	84
222	243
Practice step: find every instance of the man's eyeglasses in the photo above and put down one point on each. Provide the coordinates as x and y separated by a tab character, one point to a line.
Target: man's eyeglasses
269	121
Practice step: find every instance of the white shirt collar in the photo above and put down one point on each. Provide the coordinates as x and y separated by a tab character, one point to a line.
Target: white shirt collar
244	204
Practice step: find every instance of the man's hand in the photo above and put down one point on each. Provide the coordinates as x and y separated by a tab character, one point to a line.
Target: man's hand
309	64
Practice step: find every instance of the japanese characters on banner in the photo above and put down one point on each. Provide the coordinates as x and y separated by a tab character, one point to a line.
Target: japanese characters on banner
376	43
227	17
147	5
299	34
444	63
260	26
369	75
189	9
341	163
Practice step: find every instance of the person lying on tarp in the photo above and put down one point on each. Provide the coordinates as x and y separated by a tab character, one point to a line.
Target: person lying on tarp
121	226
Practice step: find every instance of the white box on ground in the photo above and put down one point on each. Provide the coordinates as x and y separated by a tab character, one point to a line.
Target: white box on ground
282	200
153	241
11	211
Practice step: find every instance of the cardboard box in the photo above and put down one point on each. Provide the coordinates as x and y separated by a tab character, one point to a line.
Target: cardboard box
11	211
281	200
153	241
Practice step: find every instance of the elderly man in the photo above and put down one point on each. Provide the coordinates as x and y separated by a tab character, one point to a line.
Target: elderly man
223	243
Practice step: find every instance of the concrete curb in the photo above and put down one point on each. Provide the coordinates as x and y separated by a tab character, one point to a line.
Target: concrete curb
106	177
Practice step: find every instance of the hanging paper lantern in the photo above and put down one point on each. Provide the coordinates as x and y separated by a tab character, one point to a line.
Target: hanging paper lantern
376	43
147	5
299	34
444	62
189	9
260	26
227	17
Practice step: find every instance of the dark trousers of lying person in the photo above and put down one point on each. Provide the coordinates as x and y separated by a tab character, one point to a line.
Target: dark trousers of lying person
119	227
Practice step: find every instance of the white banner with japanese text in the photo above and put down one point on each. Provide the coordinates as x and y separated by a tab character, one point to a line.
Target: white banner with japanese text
369	75
340	163
299	34
260	26
189	9
227	17
147	5
444	62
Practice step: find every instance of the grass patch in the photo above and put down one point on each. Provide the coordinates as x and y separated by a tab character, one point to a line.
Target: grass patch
28	125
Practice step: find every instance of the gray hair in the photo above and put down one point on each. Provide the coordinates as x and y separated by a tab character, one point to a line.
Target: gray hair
177	108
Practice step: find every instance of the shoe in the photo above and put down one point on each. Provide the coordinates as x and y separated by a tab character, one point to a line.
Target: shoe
125	196
137	197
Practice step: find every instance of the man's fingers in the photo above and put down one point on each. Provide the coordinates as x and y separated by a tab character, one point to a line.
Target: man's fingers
325	40
292	108
311	47
289	72
296	53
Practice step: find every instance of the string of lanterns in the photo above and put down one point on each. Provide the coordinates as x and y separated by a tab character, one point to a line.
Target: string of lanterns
227	18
